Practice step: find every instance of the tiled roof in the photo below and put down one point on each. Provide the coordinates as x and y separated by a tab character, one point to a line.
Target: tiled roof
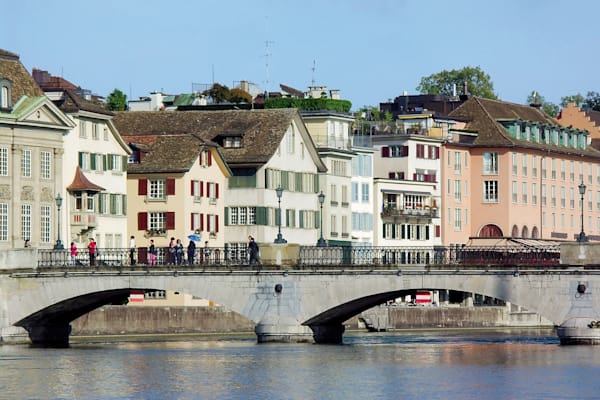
22	84
292	91
262	130
49	82
594	116
165	153
82	183
71	102
482	115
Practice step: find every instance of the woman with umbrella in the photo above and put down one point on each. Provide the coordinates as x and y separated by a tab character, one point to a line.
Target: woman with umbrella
191	251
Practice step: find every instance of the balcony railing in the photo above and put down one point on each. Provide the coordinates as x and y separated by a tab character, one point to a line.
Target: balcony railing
83	218
312	256
410	212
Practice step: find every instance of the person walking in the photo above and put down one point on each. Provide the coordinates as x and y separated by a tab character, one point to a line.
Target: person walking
178	252
252	250
205	252
92	252
172	251
132	250
73	253
191	252
152	253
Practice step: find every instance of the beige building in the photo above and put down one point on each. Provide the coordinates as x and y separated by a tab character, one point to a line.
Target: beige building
32	129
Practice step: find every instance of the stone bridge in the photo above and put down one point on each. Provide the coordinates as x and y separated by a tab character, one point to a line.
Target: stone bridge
288	302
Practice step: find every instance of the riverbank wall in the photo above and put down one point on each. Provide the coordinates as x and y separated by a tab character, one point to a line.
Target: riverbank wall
122	320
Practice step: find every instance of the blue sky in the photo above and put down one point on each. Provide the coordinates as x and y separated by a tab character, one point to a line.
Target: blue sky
371	51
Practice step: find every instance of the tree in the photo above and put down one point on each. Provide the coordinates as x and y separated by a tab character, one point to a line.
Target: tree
592	101
116	101
219	93
547	107
478	82
239	96
576	98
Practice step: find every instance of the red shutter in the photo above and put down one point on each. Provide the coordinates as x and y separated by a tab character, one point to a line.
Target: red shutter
170	220
142	187
437	231
414	177
209	158
216	190
385	151
192	188
142	221
216	223
170	187
437	153
192	221
201	186
207	189
201	222
391	175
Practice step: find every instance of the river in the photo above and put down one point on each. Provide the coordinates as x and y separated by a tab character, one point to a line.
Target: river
449	364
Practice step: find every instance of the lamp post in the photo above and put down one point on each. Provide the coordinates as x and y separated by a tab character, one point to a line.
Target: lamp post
58	245
279	238
581	237
321	242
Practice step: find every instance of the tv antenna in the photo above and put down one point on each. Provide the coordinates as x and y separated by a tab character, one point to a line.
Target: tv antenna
267	55
314	68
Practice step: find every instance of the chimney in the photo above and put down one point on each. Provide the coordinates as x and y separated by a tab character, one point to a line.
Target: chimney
465	94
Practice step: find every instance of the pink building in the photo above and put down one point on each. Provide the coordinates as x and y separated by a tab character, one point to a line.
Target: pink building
515	172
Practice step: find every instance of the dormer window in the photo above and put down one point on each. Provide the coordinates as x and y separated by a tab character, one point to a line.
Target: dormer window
5	92
232	141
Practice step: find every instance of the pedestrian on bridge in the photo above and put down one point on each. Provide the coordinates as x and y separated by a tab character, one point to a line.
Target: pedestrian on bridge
152	251
73	253
132	250
252	250
191	252
92	252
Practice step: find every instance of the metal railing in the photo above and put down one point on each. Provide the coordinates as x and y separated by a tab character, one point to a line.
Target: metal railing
464	256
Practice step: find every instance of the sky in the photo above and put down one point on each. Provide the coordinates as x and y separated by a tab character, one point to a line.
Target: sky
371	51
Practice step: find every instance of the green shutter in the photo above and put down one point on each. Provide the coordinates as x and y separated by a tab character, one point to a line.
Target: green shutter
226	212
93	161
316	183
298	176
80	159
262	216
317	219
123	163
301	219
104	162
113	204
124	200
101	208
285	181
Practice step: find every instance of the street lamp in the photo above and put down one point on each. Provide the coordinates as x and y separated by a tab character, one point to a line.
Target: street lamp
58	245
321	242
581	237
279	238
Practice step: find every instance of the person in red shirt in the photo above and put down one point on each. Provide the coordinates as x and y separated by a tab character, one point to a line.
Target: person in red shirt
92	251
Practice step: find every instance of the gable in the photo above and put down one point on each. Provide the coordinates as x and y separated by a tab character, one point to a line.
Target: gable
39	111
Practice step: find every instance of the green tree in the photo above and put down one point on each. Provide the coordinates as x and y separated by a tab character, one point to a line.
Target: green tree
239	96
116	101
478	82
576	98
547	107
219	93
592	101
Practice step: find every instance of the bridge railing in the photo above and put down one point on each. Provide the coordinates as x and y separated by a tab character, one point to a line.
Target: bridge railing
430	255
313	256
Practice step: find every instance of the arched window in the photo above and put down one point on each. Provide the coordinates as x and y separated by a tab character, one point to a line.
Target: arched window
515	231
490	231
5	89
525	232
535	234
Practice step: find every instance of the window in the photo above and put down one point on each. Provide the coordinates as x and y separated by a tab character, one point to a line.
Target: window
457	187
457	162
242	215
534	168
490	163
543	167
524	173
46	165
365	193
3	161
563	197
514	163
83	129
5	89
45	224
197	190
211	223
95	131
457	219
3	221
534	194
232	141
563	170
553	196
213	192
26	163
515	194
157	189
114	162
291	141
355	192
524	193
543	195
553	168
205	158
157	221
490	191
26	222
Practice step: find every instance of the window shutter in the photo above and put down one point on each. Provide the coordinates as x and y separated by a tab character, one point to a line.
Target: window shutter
80	160
124	204
142	221
209	158
124	163
226	212
261	215
93	161
216	190
142	187
192	222
385	151
404	151
403	232
104	162
170	187
437	153
414	177
318	219
110	161
217	223
301	219
402	175
201	186
391	175
170	220
201	222
113	204
426	232
192	188
207	189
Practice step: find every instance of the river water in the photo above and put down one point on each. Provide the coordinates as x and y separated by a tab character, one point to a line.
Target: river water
525	364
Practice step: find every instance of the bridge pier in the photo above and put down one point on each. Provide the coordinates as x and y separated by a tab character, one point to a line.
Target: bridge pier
328	334
56	336
582	323
278	329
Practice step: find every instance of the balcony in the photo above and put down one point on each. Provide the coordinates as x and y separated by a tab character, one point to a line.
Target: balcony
425	212
84	219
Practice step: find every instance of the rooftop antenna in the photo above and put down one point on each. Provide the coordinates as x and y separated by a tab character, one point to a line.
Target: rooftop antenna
267	54
314	67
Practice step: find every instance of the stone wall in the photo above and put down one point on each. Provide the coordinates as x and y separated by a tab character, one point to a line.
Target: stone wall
119	320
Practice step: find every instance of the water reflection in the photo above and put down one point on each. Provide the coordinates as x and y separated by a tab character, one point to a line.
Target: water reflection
433	365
